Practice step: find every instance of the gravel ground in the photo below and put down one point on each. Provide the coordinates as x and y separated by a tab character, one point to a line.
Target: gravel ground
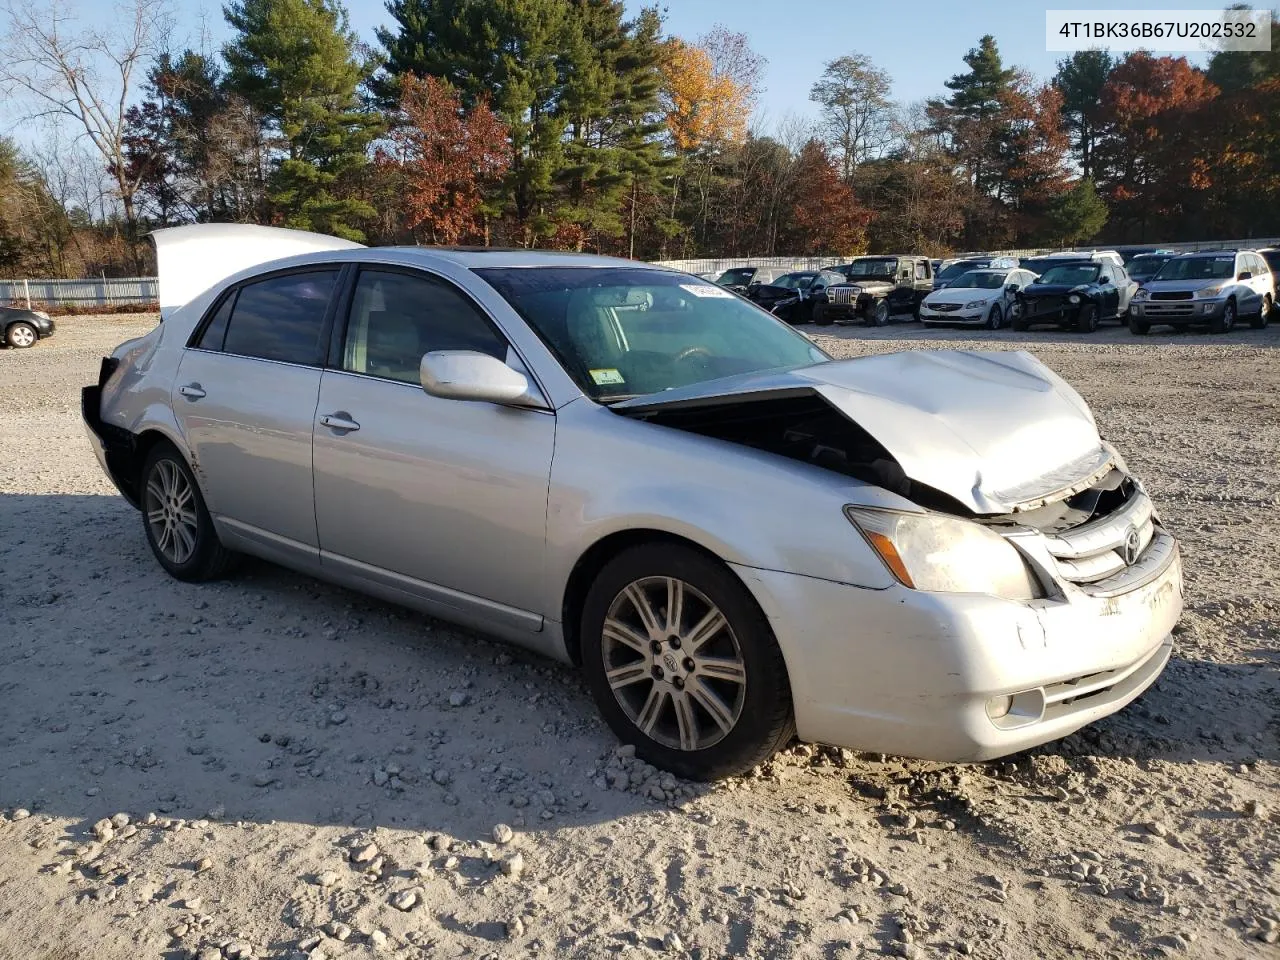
272	767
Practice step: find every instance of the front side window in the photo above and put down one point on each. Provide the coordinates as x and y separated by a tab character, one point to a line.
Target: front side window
282	318
628	331
397	317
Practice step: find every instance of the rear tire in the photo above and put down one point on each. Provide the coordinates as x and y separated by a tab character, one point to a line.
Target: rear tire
1264	314
21	335
177	522
636	672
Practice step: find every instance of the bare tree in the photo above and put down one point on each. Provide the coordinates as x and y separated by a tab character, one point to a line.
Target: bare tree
84	76
856	109
732	57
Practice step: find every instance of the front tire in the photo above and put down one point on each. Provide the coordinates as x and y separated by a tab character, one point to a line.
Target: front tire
1137	326
1264	314
1224	323
1087	322
995	319
21	335
879	315
682	663
820	317
176	520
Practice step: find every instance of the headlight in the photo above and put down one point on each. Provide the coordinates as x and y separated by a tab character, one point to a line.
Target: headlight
1074	298
1142	294
975	303
1211	291
945	554
41	314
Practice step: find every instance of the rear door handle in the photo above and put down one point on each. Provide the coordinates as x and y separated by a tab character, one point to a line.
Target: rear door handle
340	421
192	391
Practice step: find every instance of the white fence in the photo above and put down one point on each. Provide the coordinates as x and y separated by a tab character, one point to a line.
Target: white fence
80	293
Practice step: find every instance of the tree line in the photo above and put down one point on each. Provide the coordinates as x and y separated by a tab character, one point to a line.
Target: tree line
566	124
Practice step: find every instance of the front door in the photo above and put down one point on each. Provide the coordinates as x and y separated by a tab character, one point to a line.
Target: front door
245	399
445	500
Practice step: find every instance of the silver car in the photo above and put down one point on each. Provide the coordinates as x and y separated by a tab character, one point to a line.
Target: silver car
633	470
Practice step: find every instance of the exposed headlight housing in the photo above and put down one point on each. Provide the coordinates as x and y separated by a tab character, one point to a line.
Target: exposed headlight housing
1215	291
1142	294
929	551
1074	298
976	303
41	314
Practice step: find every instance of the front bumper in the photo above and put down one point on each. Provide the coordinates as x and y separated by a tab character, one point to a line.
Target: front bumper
977	315
45	327
1066	314
910	673
1178	311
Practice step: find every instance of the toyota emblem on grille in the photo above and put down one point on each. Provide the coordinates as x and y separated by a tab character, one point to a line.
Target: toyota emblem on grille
1132	547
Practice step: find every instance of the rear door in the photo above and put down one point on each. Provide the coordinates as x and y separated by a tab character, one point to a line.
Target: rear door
245	399
445	500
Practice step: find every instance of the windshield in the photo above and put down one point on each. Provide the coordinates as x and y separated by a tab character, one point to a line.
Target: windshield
628	331
1198	268
796	281
1144	268
881	267
980	280
958	268
1070	274
737	276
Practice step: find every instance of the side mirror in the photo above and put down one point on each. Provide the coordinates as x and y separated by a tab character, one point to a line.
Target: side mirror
1012	288
471	375
1104	279
1245	275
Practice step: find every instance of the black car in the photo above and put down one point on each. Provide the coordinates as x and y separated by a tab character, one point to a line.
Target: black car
741	279
22	328
1146	265
1074	294
790	296
875	289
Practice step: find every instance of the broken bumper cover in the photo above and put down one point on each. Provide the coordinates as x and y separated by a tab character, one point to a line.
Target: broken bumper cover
113	446
910	673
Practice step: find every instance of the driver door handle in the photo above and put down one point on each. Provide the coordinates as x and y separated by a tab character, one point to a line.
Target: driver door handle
192	391
340	421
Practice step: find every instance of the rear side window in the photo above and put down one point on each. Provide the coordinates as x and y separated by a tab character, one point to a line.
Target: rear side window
397	317
282	318
216	330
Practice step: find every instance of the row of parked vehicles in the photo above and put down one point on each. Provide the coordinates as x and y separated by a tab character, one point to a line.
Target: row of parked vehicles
1070	290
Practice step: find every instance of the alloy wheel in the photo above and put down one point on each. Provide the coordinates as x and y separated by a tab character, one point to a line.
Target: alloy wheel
22	335
673	663
171	512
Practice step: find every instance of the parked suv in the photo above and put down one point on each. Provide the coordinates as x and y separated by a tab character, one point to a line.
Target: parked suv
877	288
1213	287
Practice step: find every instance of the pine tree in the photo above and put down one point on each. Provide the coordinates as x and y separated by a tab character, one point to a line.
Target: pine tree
298	64
1080	78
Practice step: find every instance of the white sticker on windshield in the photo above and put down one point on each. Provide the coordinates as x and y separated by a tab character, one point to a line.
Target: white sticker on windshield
608	376
706	290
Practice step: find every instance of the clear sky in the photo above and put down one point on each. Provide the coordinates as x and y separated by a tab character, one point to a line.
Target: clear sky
919	42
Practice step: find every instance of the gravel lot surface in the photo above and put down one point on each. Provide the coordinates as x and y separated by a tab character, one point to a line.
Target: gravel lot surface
272	767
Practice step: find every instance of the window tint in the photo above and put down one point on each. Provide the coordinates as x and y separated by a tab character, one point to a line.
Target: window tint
282	318
216	331
396	318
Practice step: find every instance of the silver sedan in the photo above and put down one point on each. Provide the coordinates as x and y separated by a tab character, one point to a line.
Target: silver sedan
631	469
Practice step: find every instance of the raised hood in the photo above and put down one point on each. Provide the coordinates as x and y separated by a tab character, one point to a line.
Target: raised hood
193	258
997	432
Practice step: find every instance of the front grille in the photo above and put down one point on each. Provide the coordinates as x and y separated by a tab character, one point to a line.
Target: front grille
844	296
944	307
1043	305
1169	309
1115	553
1172	295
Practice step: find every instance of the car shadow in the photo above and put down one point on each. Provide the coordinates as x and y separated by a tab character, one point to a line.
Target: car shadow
274	696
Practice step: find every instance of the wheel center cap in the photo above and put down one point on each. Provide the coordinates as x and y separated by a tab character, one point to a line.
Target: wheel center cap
671	663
